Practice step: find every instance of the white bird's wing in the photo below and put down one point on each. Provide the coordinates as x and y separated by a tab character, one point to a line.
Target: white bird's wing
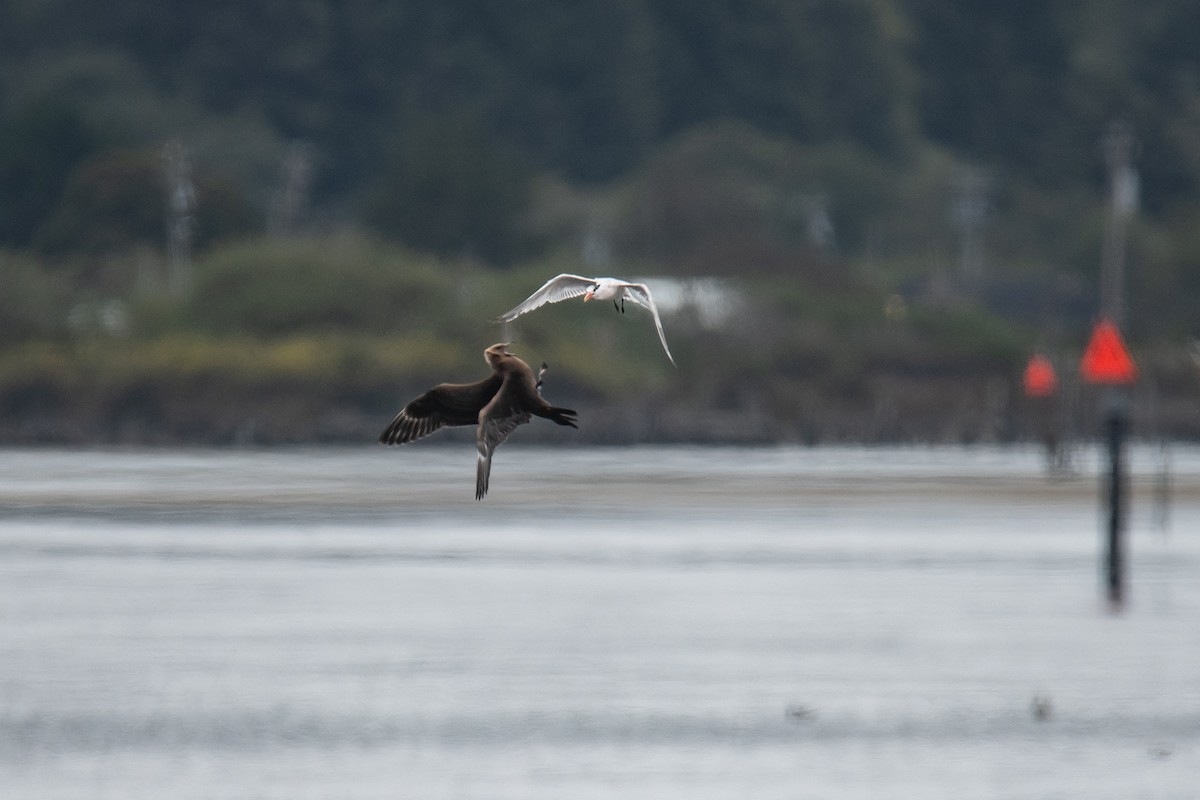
560	287
639	294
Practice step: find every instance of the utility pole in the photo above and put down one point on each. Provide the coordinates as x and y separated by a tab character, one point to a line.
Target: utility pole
970	211
181	203
289	207
1117	145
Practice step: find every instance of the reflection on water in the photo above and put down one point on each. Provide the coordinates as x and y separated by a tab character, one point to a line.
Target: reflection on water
657	622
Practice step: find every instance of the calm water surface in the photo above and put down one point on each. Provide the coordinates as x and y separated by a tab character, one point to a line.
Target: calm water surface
629	623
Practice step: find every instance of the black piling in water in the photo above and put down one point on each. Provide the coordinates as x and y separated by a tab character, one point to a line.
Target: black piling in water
1116	489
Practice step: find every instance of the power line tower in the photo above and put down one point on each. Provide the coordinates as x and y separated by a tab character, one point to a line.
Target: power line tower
1117	145
181	204
289	207
970	212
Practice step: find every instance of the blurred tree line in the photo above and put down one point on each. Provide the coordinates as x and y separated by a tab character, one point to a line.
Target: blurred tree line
825	142
589	89
394	95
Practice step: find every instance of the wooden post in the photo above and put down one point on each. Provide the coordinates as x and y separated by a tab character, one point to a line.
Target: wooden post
1117	483
1106	363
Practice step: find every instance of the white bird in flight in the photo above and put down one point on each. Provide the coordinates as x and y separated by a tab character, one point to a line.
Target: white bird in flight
566	286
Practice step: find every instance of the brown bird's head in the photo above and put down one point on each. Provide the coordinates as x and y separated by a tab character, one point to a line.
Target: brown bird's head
497	353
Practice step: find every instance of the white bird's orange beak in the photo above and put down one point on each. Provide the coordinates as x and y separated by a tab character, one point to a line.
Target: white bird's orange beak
587	295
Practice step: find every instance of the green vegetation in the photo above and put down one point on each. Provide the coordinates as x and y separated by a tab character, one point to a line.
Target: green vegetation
296	340
371	183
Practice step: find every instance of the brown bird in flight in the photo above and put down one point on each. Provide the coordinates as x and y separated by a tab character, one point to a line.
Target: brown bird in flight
496	405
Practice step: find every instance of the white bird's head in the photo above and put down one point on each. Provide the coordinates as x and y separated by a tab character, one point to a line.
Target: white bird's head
604	289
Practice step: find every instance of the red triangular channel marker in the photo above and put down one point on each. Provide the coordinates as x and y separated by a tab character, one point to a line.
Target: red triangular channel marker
1106	360
1040	380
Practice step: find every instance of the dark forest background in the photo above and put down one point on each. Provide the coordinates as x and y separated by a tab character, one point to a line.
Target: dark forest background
901	200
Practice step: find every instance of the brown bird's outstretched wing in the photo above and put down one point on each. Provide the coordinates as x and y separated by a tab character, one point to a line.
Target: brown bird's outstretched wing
513	405
446	404
498	419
